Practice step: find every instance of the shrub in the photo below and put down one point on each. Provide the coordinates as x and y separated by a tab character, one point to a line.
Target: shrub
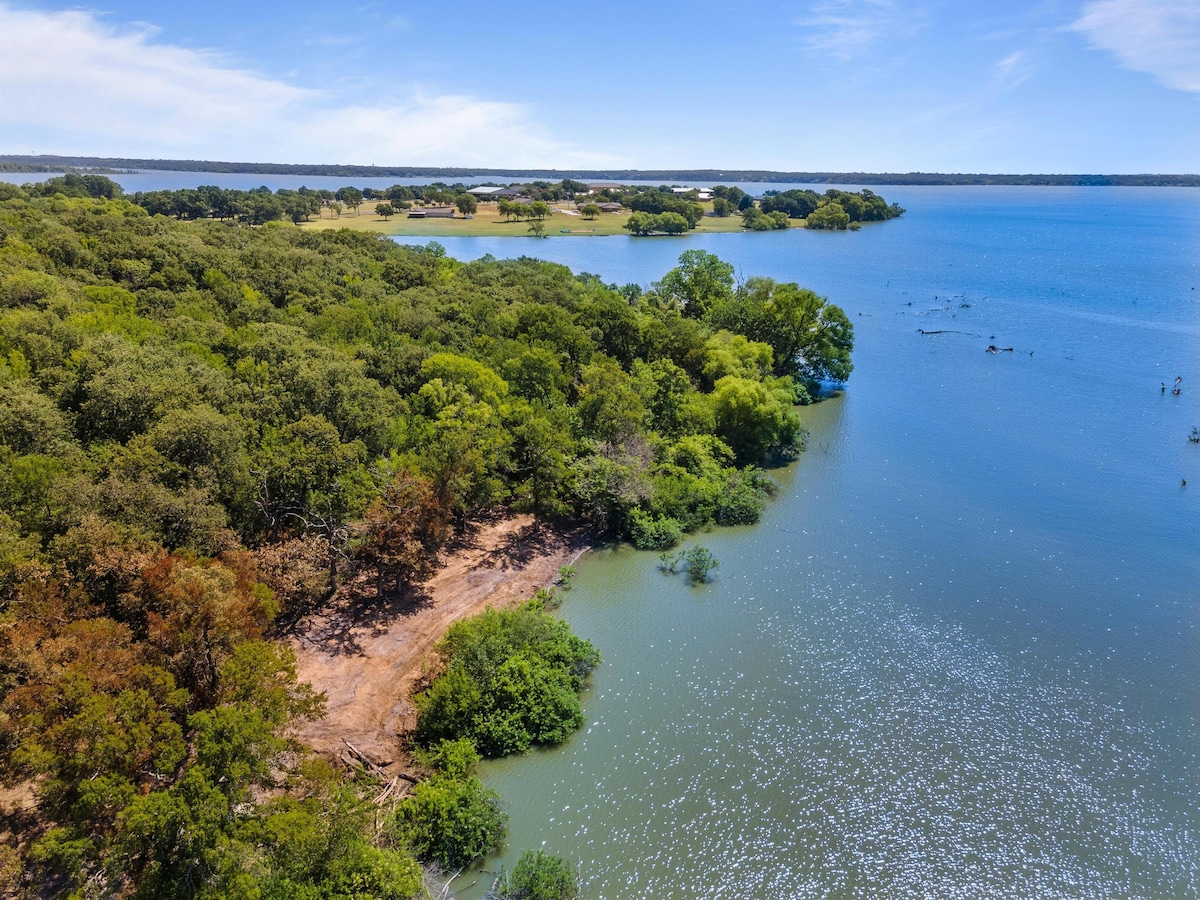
700	562
740	503
647	532
512	681
539	876
451	821
697	561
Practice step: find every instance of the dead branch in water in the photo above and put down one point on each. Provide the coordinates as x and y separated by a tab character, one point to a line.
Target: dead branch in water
947	331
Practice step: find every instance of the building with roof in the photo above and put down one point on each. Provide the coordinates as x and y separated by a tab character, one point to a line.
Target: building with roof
492	193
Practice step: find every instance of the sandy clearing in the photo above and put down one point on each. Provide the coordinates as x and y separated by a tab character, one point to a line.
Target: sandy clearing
367	654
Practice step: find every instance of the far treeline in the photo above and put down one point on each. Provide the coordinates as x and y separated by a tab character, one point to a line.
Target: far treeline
59	163
655	210
206	428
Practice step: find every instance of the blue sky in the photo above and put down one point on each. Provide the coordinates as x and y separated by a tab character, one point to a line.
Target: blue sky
814	85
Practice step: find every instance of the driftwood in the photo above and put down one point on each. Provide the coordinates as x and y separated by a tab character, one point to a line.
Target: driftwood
366	760
992	348
396	790
356	759
947	331
387	791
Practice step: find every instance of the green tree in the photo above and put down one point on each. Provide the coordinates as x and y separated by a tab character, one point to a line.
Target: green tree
700	280
667	395
512	681
466	204
459	443
590	210
795	204
541	447
754	418
640	223
732	354
384	210
671	223
351	196
812	339
609	407
643	223
828	217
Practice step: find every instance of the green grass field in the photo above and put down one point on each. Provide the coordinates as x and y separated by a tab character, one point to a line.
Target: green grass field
487	223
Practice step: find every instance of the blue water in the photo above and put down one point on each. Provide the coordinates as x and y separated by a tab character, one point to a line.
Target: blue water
960	655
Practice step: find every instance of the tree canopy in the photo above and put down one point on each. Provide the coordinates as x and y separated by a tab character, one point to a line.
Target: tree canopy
205	424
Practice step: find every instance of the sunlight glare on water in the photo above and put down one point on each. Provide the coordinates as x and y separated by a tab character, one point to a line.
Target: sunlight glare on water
959	657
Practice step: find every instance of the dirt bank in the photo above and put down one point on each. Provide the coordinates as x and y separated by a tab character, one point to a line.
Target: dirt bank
366	653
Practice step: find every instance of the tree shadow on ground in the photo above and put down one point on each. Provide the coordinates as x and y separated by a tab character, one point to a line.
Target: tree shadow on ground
358	609
521	547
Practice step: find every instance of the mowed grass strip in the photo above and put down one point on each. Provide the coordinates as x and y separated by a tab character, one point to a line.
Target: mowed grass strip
488	223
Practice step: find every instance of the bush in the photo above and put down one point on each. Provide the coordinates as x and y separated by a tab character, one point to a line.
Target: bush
451	821
740	503
700	562
453	758
512	680
647	532
539	876
697	561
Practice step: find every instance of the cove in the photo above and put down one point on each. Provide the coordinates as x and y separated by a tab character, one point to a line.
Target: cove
959	656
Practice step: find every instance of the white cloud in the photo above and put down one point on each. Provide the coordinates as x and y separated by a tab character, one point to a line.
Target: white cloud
73	84
1012	70
1159	37
845	29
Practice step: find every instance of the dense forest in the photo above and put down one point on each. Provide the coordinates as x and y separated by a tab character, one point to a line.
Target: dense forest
58	163
205	426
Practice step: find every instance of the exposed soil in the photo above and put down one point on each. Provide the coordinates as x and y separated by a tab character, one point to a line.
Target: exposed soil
367	652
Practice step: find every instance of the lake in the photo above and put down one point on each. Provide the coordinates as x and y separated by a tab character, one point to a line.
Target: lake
960	655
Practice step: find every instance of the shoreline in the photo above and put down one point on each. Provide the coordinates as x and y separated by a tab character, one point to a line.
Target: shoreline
486	222
369	654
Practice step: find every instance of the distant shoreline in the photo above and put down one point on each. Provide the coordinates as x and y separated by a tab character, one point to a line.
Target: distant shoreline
9	162
487	222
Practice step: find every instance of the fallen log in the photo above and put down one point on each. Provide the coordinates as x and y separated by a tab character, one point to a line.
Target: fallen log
387	792
367	761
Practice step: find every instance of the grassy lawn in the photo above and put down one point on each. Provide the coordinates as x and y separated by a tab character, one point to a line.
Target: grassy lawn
487	223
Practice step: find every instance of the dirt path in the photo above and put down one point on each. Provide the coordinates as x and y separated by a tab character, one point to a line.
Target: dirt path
367	654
